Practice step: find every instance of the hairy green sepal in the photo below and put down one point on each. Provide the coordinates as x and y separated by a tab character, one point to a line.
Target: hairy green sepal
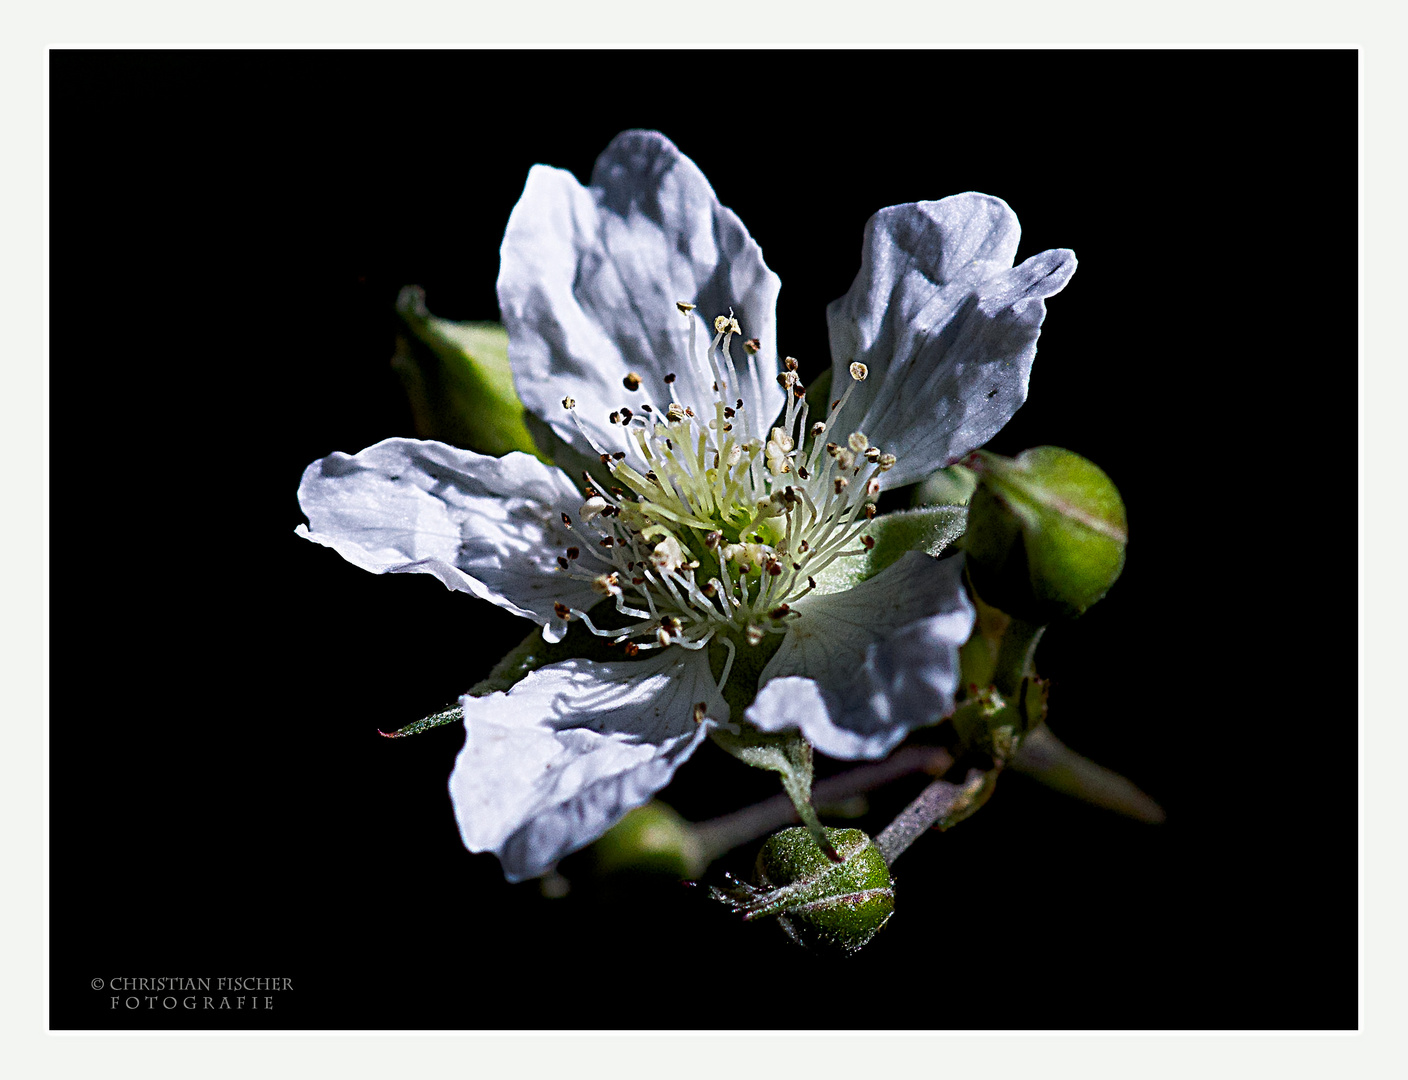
933	530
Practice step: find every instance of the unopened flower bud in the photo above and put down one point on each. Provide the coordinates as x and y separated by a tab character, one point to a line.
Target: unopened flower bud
652	839
829	906
1046	533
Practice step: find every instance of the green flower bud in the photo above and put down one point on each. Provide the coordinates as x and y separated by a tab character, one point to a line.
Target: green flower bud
651	839
1046	533
458	380
833	907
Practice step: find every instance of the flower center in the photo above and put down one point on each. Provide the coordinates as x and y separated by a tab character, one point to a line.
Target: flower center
705	526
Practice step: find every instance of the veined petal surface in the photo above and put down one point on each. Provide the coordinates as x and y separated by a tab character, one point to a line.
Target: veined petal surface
482	525
862	668
590	278
946	325
561	757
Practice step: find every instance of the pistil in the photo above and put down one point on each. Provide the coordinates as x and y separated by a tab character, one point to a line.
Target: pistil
716	532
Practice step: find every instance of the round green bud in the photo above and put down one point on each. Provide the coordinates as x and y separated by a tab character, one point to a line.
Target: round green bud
833	907
1046	533
651	839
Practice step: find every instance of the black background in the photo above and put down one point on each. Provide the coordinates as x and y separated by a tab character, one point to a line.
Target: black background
229	233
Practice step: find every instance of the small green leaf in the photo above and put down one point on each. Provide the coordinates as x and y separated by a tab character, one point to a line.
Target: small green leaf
932	529
459	382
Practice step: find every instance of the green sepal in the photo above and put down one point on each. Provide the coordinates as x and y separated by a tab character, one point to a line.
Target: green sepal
997	725
528	655
978	656
969	797
953	486
933	530
458	380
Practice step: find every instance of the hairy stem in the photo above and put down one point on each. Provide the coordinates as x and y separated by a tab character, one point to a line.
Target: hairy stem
723	834
939	805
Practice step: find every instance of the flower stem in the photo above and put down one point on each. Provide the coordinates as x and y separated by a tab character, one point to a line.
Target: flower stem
939	805
723	834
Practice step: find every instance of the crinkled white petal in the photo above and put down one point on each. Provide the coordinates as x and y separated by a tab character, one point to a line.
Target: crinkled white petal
590	277
482	525
945	324
561	757
860	669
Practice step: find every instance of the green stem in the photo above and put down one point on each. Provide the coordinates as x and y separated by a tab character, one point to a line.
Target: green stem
1015	655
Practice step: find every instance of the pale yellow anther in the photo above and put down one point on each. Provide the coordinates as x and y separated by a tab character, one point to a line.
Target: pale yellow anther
569	403
675	412
685	306
778	447
886	462
721	323
592	508
859	371
668	555
857	442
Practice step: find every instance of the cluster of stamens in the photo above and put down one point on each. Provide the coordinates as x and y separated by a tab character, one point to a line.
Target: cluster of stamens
707	528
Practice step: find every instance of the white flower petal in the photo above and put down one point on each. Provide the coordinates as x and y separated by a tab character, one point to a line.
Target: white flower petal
552	764
589	282
862	668
482	525
946	326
